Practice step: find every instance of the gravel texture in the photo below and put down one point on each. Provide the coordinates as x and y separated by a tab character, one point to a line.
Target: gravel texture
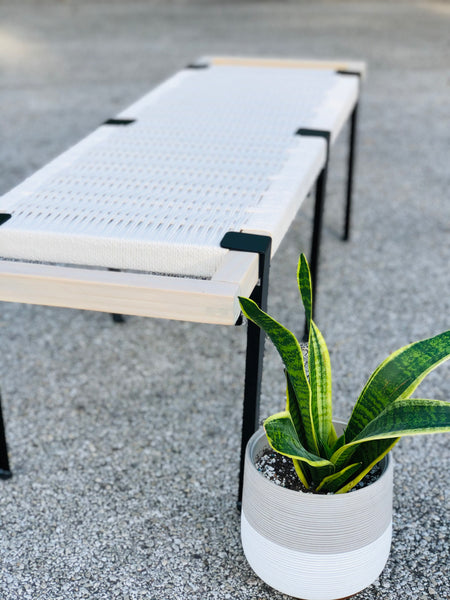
124	439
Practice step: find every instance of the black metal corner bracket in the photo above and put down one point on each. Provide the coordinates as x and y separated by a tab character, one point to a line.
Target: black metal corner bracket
116	317
5	471
4	217
262	245
345	72
323	133
258	244
197	66
122	122
250	242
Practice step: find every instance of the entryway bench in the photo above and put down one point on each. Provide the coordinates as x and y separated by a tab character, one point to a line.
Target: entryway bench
173	208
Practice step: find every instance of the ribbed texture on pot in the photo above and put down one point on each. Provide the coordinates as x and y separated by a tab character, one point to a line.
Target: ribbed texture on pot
314	576
320	524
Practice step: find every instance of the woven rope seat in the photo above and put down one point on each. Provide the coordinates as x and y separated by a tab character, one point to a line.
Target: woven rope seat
154	190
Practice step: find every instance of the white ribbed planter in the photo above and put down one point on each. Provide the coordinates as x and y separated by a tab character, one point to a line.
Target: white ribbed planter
310	546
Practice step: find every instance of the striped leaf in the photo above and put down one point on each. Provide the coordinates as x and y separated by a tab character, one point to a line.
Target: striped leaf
388	445
305	286
410	416
293	407
318	364
340	441
320	382
291	355
301	470
335	481
283	439
372	452
396	378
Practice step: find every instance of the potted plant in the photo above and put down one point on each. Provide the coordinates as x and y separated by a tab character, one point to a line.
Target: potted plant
331	540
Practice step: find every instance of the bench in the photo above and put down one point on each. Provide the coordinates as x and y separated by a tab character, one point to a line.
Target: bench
174	208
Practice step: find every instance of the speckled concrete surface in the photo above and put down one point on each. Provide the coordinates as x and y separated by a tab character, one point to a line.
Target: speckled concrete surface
124	439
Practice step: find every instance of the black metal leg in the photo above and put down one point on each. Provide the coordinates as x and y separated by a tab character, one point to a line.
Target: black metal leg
321	189
351	163
253	374
252	393
117	318
321	186
5	471
245	242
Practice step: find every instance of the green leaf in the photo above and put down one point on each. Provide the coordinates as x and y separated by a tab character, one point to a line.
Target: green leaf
291	354
305	286
369	453
300	470
409	416
336	480
340	441
396	378
293	407
332	438
283	438
388	445
342	456
320	382
318	364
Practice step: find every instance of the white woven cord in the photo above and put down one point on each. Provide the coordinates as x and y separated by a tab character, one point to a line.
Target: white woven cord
211	150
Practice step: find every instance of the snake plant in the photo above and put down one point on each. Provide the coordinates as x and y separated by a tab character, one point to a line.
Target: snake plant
383	413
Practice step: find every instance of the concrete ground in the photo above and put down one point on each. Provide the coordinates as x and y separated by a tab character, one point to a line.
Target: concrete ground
124	440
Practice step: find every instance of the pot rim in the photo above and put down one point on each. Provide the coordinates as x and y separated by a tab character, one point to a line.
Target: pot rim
387	464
